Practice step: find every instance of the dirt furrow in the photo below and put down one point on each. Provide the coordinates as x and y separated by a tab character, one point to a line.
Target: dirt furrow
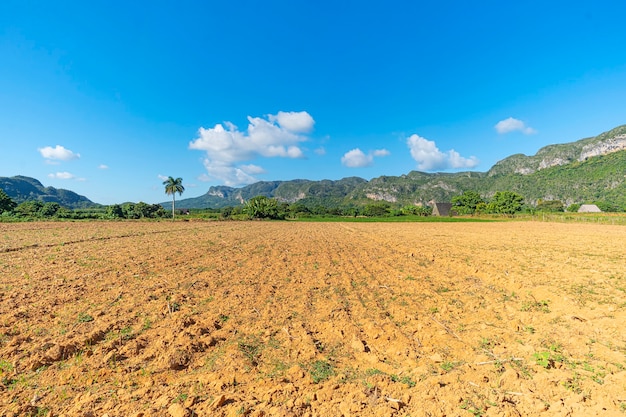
311	319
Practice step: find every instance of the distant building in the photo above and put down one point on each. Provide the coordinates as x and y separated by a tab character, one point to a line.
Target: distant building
443	209
589	208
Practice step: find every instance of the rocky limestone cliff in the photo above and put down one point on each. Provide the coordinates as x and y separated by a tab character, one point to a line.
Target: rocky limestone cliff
617	143
562	154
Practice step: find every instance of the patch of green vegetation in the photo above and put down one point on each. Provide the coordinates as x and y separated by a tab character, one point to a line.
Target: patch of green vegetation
6	367
522	369
126	333
548	358
541	306
251	348
321	370
573	383
84	317
448	365
373	371
471	408
404	380
147	324
486	343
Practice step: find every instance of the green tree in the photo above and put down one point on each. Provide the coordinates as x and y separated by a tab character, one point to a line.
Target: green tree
506	202
226	212
6	204
173	186
129	211
550	205
573	208
142	209
298	209
29	208
262	207
49	209
378	209
467	202
607	207
115	211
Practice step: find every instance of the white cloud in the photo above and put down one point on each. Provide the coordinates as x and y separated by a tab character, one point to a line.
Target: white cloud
229	174
320	151
58	153
62	176
299	122
429	157
103	166
511	125
356	158
252	169
162	177
225	145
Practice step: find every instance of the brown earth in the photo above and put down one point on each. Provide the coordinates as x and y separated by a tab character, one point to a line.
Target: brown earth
312	319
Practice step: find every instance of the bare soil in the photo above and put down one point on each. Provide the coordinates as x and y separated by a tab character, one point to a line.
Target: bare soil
312	319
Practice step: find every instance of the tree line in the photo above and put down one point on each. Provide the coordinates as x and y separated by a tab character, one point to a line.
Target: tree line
261	207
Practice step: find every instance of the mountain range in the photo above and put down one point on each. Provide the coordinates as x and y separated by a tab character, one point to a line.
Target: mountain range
587	170
21	188
591	169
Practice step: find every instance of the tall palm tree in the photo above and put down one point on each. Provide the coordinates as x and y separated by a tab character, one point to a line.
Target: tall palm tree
173	186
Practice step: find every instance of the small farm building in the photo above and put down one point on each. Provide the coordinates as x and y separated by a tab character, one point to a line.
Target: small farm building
443	209
589	208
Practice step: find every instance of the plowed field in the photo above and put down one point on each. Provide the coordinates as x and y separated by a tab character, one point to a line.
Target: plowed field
312	319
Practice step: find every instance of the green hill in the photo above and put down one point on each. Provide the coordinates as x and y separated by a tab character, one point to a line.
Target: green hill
21	189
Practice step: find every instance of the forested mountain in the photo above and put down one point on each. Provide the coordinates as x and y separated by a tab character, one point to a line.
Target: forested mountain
21	189
591	169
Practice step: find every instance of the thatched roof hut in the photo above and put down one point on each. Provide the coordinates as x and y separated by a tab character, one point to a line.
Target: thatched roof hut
443	209
589	208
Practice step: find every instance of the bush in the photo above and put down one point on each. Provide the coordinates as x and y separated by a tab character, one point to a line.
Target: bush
262	207
550	206
505	202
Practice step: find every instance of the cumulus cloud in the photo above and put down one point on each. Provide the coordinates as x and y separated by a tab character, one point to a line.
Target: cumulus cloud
512	125
294	121
62	176
356	158
58	153
277	135
103	166
429	157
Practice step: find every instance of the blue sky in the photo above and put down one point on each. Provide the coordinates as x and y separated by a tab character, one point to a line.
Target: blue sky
107	98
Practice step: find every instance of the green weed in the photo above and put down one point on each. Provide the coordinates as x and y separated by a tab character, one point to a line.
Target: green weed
321	370
251	349
470	407
541	306
404	380
448	365
84	317
548	358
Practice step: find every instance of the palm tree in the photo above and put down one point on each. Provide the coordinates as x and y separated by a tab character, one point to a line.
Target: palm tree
173	186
